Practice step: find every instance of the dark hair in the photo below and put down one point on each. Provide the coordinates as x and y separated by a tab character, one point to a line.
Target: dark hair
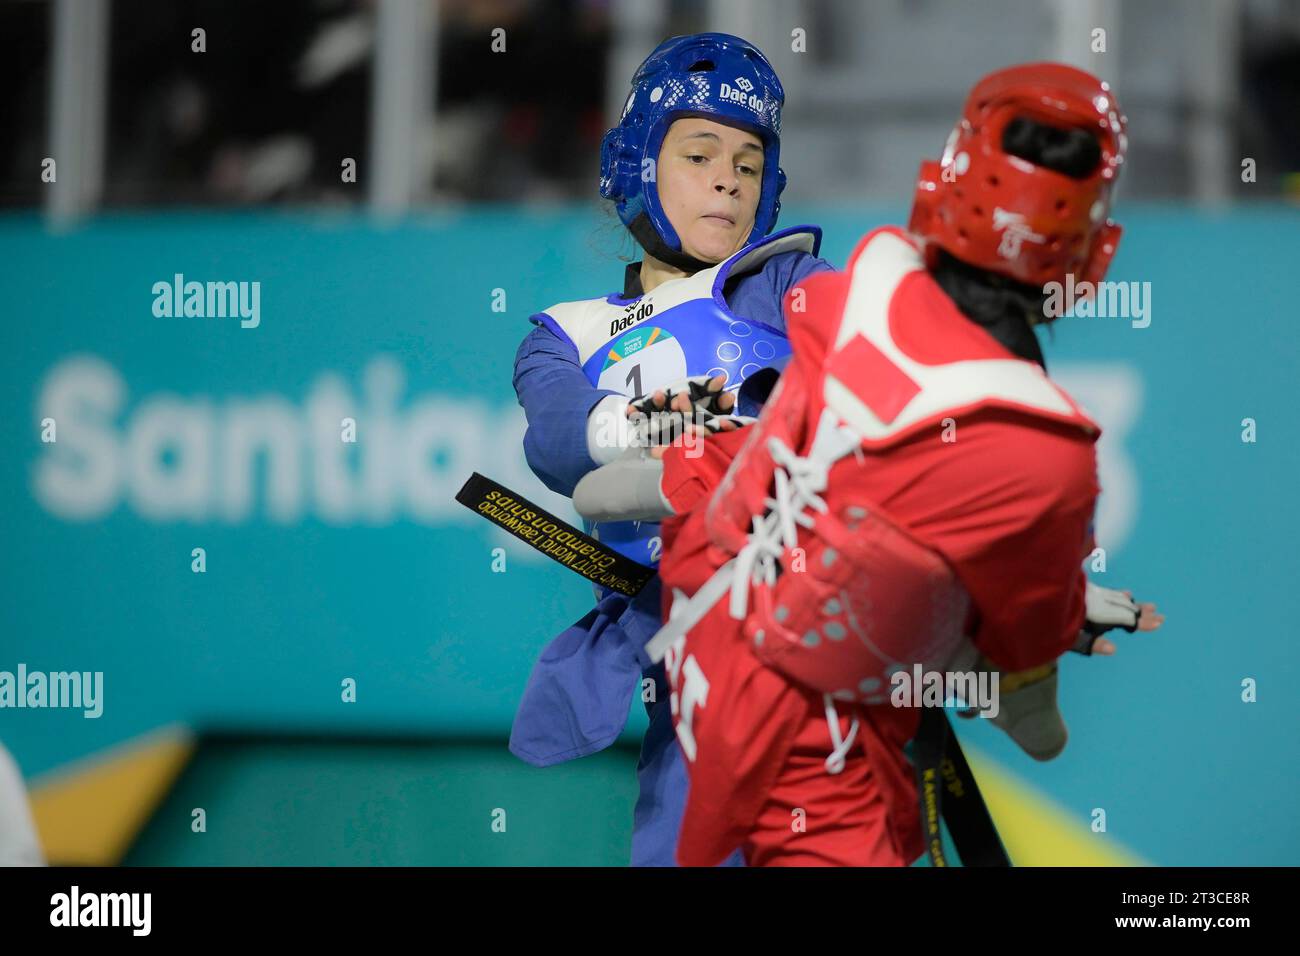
1071	151
1003	307
611	239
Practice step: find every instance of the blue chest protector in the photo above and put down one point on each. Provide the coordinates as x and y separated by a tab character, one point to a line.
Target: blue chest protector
579	694
683	327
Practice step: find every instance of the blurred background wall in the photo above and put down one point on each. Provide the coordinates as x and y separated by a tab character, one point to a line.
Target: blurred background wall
398	300
285	90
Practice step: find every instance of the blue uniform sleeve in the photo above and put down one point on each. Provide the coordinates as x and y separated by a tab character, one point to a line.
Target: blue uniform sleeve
759	296
556	398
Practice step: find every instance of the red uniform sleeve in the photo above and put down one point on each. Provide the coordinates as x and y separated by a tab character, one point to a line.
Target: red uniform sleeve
1026	574
691	472
690	478
1009	504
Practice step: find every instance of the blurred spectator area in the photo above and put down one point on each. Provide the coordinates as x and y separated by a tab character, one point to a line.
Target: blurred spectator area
282	96
286	90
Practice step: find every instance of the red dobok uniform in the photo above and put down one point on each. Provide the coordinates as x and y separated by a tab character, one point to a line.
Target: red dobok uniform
959	503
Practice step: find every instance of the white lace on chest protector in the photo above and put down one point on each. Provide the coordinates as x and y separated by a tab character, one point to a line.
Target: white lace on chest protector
799	481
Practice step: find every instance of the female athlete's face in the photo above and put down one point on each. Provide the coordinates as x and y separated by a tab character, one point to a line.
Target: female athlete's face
709	176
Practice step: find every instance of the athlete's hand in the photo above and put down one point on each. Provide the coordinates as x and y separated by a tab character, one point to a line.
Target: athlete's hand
694	398
689	409
707	395
1106	610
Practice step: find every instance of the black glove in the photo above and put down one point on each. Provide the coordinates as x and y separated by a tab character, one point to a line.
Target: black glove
1106	609
663	426
696	387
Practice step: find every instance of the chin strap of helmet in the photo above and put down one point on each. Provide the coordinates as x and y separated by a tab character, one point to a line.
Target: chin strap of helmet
645	234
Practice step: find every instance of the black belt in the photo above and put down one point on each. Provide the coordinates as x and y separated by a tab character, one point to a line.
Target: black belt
947	790
554	537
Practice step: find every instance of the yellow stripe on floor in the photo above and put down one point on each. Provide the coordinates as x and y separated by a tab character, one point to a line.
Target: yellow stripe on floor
1037	832
87	813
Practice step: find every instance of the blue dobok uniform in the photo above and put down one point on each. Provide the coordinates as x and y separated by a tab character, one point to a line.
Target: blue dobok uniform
726	318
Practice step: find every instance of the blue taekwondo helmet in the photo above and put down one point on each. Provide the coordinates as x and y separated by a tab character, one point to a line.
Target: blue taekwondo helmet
711	75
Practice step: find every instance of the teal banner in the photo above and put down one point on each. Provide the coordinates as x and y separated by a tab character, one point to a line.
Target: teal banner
233	445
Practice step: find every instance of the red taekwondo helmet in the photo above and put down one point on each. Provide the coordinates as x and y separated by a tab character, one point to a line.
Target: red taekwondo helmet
1000	212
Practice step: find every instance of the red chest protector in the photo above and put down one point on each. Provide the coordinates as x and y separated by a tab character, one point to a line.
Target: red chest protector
848	596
